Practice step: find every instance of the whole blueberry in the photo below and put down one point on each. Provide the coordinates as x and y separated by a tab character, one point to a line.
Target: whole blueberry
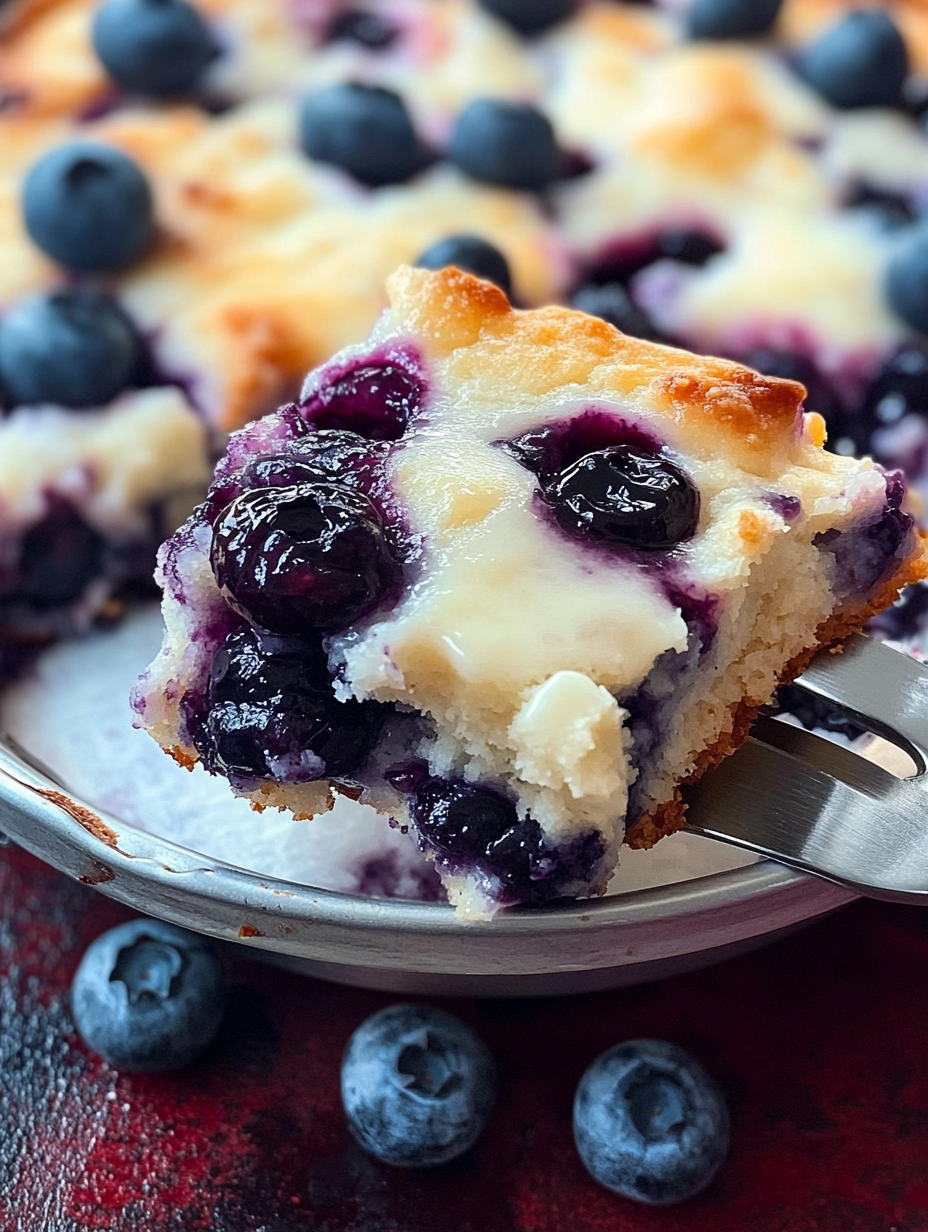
294	559
59	558
506	143
728	19
900	386
861	61
906	282
158	47
650	1123
373	400
470	253
529	16
148	996
365	130
370	30
611	302
626	495
461	819
271	713
88	206
418	1086
73	347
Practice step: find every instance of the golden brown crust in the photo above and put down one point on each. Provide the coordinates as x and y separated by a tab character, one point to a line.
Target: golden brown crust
831	635
453	310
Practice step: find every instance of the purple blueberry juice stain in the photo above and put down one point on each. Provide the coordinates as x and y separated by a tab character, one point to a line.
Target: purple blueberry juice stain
377	397
553	447
623	258
867	554
789	508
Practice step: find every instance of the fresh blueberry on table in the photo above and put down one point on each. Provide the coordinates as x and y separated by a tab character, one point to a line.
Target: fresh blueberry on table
626	495
611	302
72	347
418	1086
148	996
311	556
730	19
906	282
650	1123
506	143
471	253
157	47
88	206
365	130
861	61
529	16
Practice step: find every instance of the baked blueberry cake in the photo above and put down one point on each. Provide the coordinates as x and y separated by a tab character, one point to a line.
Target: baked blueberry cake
236	179
512	577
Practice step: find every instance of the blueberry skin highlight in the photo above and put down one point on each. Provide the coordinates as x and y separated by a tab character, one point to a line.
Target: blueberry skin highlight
148	996
505	143
72	347
529	17
365	130
418	1086
470	253
906	281
861	61
302	558
89	207
157	47
650	1123
625	495
730	19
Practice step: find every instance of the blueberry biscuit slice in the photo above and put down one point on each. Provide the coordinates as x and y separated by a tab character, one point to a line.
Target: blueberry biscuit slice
511	577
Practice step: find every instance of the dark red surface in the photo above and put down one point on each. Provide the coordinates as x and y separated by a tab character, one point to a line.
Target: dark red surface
820	1042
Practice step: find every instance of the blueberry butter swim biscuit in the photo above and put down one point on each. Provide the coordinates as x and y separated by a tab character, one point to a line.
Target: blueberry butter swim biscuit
512	577
745	178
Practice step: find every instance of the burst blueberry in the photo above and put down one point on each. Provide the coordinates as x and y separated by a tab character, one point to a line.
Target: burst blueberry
71	347
731	19
418	1086
906	282
365	130
295	559
529	17
157	47
88	206
148	996
471	253
650	1123
861	61
459	819
270	713
373	400
625	495
506	143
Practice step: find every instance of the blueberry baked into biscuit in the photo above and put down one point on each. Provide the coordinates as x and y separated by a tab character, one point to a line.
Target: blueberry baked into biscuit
512	577
206	199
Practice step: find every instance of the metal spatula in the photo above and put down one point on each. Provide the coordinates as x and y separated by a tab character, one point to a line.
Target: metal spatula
805	801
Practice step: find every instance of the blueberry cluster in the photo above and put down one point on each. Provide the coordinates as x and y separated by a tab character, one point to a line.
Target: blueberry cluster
89	207
473	829
302	546
418	1086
